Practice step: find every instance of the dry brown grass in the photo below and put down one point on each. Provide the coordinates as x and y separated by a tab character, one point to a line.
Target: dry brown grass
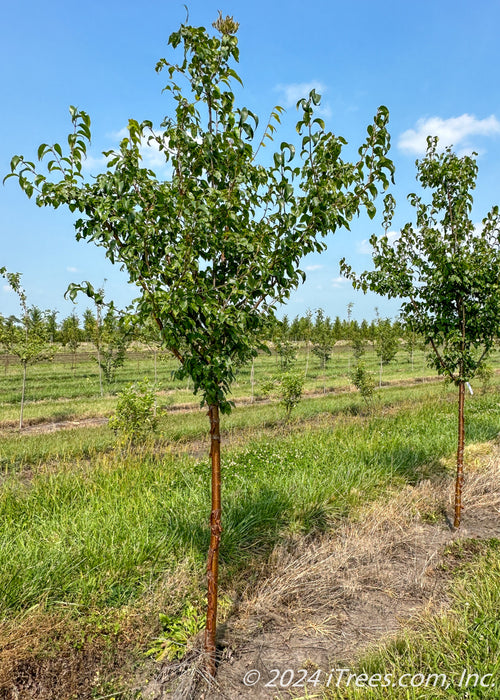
49	653
323	601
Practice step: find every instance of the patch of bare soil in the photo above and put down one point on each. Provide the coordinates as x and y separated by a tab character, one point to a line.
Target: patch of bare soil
38	428
321	603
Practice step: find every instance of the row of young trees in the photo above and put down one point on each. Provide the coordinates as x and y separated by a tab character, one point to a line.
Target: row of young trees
304	328
319	334
33	336
69	330
214	248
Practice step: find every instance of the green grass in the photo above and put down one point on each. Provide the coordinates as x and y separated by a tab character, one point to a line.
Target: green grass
100	531
245	422
86	529
462	646
55	391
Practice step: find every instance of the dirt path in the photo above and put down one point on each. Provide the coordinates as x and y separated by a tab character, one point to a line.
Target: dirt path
322	603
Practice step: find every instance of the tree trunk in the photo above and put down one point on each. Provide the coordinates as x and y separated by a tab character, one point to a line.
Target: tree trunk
100	371
252	381
22	396
215	534
460	455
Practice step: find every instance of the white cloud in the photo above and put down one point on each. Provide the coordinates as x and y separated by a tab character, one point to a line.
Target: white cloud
71	269
364	247
338	282
7	288
119	135
91	163
293	92
451	132
152	157
312	268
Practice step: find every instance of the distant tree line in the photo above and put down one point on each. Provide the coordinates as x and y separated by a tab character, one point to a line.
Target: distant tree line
317	330
320	334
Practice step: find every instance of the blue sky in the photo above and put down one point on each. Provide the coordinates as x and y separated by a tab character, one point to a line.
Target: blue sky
434	63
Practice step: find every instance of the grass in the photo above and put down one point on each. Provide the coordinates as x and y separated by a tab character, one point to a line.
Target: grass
244	423
452	655
57	392
91	539
99	532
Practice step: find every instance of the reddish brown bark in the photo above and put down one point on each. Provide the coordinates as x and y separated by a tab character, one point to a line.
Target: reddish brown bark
215	534
460	455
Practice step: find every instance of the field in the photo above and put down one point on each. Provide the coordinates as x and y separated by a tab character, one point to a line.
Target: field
102	552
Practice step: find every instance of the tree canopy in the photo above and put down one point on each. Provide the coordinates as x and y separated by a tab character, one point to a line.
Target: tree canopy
445	270
216	246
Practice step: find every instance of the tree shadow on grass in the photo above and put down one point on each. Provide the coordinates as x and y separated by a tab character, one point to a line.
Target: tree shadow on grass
251	520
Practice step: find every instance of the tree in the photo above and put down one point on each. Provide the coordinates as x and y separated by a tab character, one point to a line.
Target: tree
27	339
217	246
363	381
112	341
71	335
51	324
111	333
411	341
287	352
149	333
358	342
447	274
322	337
307	327
89	325
135	418
288	387
386	342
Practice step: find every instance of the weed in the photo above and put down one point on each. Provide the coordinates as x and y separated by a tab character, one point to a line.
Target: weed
178	633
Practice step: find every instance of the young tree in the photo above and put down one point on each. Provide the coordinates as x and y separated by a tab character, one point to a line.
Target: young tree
51	325
322	337
110	333
411	341
214	248
358	342
386	342
447	273
285	349
287	352
149	333
307	329
363	381
89	325
26	340
112	342
71	335
288	387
